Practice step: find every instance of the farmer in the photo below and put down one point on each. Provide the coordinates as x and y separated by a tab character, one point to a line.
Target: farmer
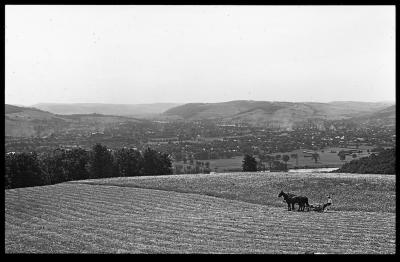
325	208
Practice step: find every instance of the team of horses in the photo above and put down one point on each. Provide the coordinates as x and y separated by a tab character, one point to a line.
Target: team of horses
292	199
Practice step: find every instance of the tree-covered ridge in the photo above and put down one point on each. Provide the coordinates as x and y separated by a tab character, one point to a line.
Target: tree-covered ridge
383	163
60	165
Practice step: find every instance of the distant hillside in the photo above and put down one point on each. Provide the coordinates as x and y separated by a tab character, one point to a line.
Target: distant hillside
274	114
32	122
26	122
137	110
383	163
383	117
10	109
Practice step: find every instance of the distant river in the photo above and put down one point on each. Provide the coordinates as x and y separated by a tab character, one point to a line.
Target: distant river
313	170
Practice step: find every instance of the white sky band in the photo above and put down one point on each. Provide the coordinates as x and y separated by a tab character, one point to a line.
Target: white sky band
182	54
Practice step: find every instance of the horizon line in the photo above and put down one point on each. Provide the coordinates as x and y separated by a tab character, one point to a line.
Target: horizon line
182	103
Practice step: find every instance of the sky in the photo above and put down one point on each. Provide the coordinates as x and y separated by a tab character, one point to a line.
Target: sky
184	54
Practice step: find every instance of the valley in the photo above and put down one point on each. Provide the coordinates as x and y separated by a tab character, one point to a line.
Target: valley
218	141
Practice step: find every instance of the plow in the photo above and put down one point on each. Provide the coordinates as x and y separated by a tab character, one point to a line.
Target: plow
316	207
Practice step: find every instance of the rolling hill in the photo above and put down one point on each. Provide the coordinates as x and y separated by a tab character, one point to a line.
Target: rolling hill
275	114
201	213
29	122
383	117
137	110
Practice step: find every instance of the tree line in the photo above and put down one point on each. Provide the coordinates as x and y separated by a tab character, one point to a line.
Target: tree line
60	165
250	164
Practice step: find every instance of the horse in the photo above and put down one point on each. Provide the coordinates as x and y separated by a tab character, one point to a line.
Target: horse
303	202
292	199
288	198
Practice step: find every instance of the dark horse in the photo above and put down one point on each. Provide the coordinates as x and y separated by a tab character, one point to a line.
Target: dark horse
292	199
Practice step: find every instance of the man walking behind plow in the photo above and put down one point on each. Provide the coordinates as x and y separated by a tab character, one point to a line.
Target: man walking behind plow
326	206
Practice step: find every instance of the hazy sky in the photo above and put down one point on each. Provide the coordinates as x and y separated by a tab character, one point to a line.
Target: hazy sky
148	54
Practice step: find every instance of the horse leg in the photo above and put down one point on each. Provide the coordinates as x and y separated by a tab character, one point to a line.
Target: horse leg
288	206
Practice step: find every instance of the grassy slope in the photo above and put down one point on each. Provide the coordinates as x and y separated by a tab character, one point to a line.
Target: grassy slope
77	218
373	193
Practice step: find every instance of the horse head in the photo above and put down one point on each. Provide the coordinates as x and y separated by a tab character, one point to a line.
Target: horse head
281	193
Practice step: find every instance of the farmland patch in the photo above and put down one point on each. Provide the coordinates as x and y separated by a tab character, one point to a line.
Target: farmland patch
350	192
83	218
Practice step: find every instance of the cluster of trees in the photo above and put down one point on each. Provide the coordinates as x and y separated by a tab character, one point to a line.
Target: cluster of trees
383	163
274	162
31	169
250	163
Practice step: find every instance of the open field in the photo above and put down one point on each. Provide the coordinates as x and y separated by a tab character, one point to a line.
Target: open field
327	159
78	218
350	192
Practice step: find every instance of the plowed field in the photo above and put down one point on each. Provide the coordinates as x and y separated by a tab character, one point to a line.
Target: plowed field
90	218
